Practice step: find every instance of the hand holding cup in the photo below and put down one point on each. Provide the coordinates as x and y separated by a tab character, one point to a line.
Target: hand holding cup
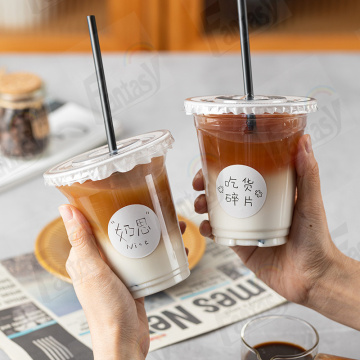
118	323
308	268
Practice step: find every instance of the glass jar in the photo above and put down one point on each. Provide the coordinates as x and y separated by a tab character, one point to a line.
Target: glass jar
24	126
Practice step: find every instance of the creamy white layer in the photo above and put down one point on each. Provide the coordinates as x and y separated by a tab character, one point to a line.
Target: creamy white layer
272	221
165	262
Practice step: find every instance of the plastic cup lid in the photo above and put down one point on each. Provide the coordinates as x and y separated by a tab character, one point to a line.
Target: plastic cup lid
238	104
98	164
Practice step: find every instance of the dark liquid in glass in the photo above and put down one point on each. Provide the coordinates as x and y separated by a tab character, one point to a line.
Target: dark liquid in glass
271	349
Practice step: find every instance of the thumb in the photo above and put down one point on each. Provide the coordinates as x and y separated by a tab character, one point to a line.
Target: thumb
78	230
309	200
84	257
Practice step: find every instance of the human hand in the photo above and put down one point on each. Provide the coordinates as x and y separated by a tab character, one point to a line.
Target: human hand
291	269
118	323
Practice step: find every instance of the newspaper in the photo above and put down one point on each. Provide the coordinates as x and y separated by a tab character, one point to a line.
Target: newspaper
38	318
41	318
219	292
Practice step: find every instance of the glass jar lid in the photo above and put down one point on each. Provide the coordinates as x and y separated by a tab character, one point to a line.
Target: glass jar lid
20	90
19	84
238	104
98	164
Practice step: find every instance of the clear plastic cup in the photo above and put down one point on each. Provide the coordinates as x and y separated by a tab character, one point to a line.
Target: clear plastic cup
248	153
127	200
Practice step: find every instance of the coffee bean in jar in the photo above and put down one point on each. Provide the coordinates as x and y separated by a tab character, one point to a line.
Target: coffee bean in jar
24	126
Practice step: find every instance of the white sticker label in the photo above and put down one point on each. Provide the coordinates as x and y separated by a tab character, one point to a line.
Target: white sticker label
134	231
241	191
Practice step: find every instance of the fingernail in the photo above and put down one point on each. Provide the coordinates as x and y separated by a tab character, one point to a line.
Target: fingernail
66	213
308	145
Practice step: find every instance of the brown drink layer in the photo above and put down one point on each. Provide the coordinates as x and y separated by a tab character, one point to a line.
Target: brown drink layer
225	140
99	200
271	349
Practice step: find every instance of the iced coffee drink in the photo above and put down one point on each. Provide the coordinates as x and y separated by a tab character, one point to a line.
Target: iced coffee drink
128	202
248	151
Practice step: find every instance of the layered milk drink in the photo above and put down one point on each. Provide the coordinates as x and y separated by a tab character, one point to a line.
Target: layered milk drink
127	200
248	151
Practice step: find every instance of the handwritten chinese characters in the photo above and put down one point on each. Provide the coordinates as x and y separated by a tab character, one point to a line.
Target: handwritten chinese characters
134	231
241	190
126	231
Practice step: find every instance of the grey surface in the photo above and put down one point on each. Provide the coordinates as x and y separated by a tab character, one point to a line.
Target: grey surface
333	78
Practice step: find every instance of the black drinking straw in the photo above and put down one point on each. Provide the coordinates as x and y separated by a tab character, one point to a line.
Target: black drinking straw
100	75
246	60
